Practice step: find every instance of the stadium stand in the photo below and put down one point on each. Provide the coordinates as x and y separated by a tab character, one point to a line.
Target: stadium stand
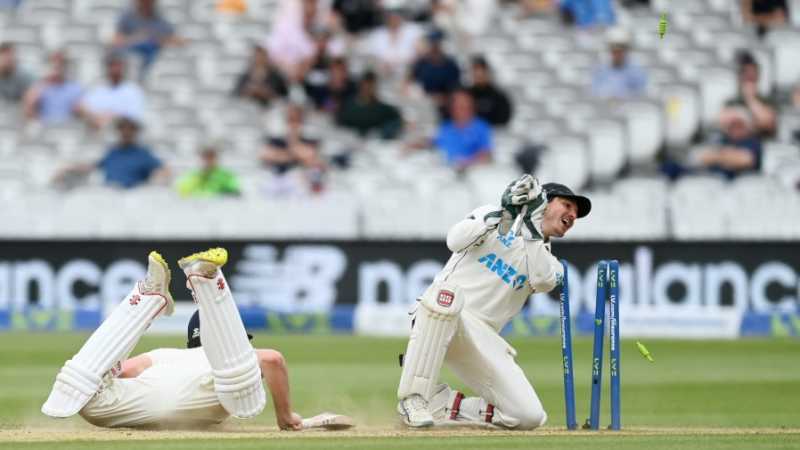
608	148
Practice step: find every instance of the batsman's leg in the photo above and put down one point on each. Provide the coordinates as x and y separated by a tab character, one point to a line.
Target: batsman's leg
81	377
435	323
237	376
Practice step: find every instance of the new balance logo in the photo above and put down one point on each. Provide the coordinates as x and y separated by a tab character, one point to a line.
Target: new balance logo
220	284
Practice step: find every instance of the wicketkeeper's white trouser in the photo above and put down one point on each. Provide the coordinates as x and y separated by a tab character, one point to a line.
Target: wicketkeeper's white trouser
485	362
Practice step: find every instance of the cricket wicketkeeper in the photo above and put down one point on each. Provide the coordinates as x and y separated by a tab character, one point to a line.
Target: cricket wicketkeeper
218	376
485	283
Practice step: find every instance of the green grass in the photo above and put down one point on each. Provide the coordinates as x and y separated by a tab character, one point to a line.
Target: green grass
692	386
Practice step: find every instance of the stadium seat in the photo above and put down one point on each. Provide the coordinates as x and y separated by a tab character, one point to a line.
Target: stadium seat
682	113
645	130
695	210
786	54
717	85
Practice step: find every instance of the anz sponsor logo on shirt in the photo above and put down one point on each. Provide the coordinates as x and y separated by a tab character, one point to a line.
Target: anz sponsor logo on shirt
505	271
507	239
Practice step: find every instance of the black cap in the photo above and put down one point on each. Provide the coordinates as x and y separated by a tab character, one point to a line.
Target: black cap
559	190
193	333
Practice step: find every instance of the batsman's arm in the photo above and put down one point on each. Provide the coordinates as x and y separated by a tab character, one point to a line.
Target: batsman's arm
275	373
133	367
473	229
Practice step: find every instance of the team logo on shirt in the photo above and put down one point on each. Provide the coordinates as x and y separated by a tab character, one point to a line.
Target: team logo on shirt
508	273
445	298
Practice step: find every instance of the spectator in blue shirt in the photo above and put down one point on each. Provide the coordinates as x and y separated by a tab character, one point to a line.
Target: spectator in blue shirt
127	164
143	31
54	99
435	71
739	150
465	139
622	78
588	13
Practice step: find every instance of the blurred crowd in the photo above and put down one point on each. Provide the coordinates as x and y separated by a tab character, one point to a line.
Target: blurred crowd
302	66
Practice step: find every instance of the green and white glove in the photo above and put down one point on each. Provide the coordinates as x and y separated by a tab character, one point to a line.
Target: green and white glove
532	220
521	191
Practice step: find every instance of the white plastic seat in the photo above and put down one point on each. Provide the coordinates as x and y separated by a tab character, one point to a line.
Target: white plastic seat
645	130
607	148
717	85
786	54
695	210
566	161
682	114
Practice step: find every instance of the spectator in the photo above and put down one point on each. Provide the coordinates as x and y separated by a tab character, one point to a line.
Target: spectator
622	78
119	97
318	75
210	180
538	7
13	81
762	109
588	13
739	150
294	153
54	99
232	7
465	139
366	112
464	19
357	16
491	103
764	14
261	81
127	164
143	31
339	87
437	72
291	44
395	45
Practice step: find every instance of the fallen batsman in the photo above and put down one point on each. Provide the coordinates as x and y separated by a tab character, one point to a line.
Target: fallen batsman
218	376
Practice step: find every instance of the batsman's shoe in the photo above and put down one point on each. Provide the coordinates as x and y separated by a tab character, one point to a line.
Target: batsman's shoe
204	263
414	412
157	280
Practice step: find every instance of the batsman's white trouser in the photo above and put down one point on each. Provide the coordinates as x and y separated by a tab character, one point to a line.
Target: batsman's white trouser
177	390
81	377
237	374
484	361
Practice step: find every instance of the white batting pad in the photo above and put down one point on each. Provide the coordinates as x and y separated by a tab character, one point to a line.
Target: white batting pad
81	376
237	374
435	323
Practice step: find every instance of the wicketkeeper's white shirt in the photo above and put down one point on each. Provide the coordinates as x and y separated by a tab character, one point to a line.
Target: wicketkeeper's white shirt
495	273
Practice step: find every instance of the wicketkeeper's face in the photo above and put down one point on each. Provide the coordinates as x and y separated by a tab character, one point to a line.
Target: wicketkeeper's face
559	217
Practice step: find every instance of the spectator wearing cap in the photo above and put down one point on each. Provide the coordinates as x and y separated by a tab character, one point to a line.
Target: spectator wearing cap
395	45
293	156
127	164
142	30
465	139
622	78
54	99
588	13
760	108
491	103
437	72
117	98
210	180
338	88
13	80
261	82
739	150
366	113
764	14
